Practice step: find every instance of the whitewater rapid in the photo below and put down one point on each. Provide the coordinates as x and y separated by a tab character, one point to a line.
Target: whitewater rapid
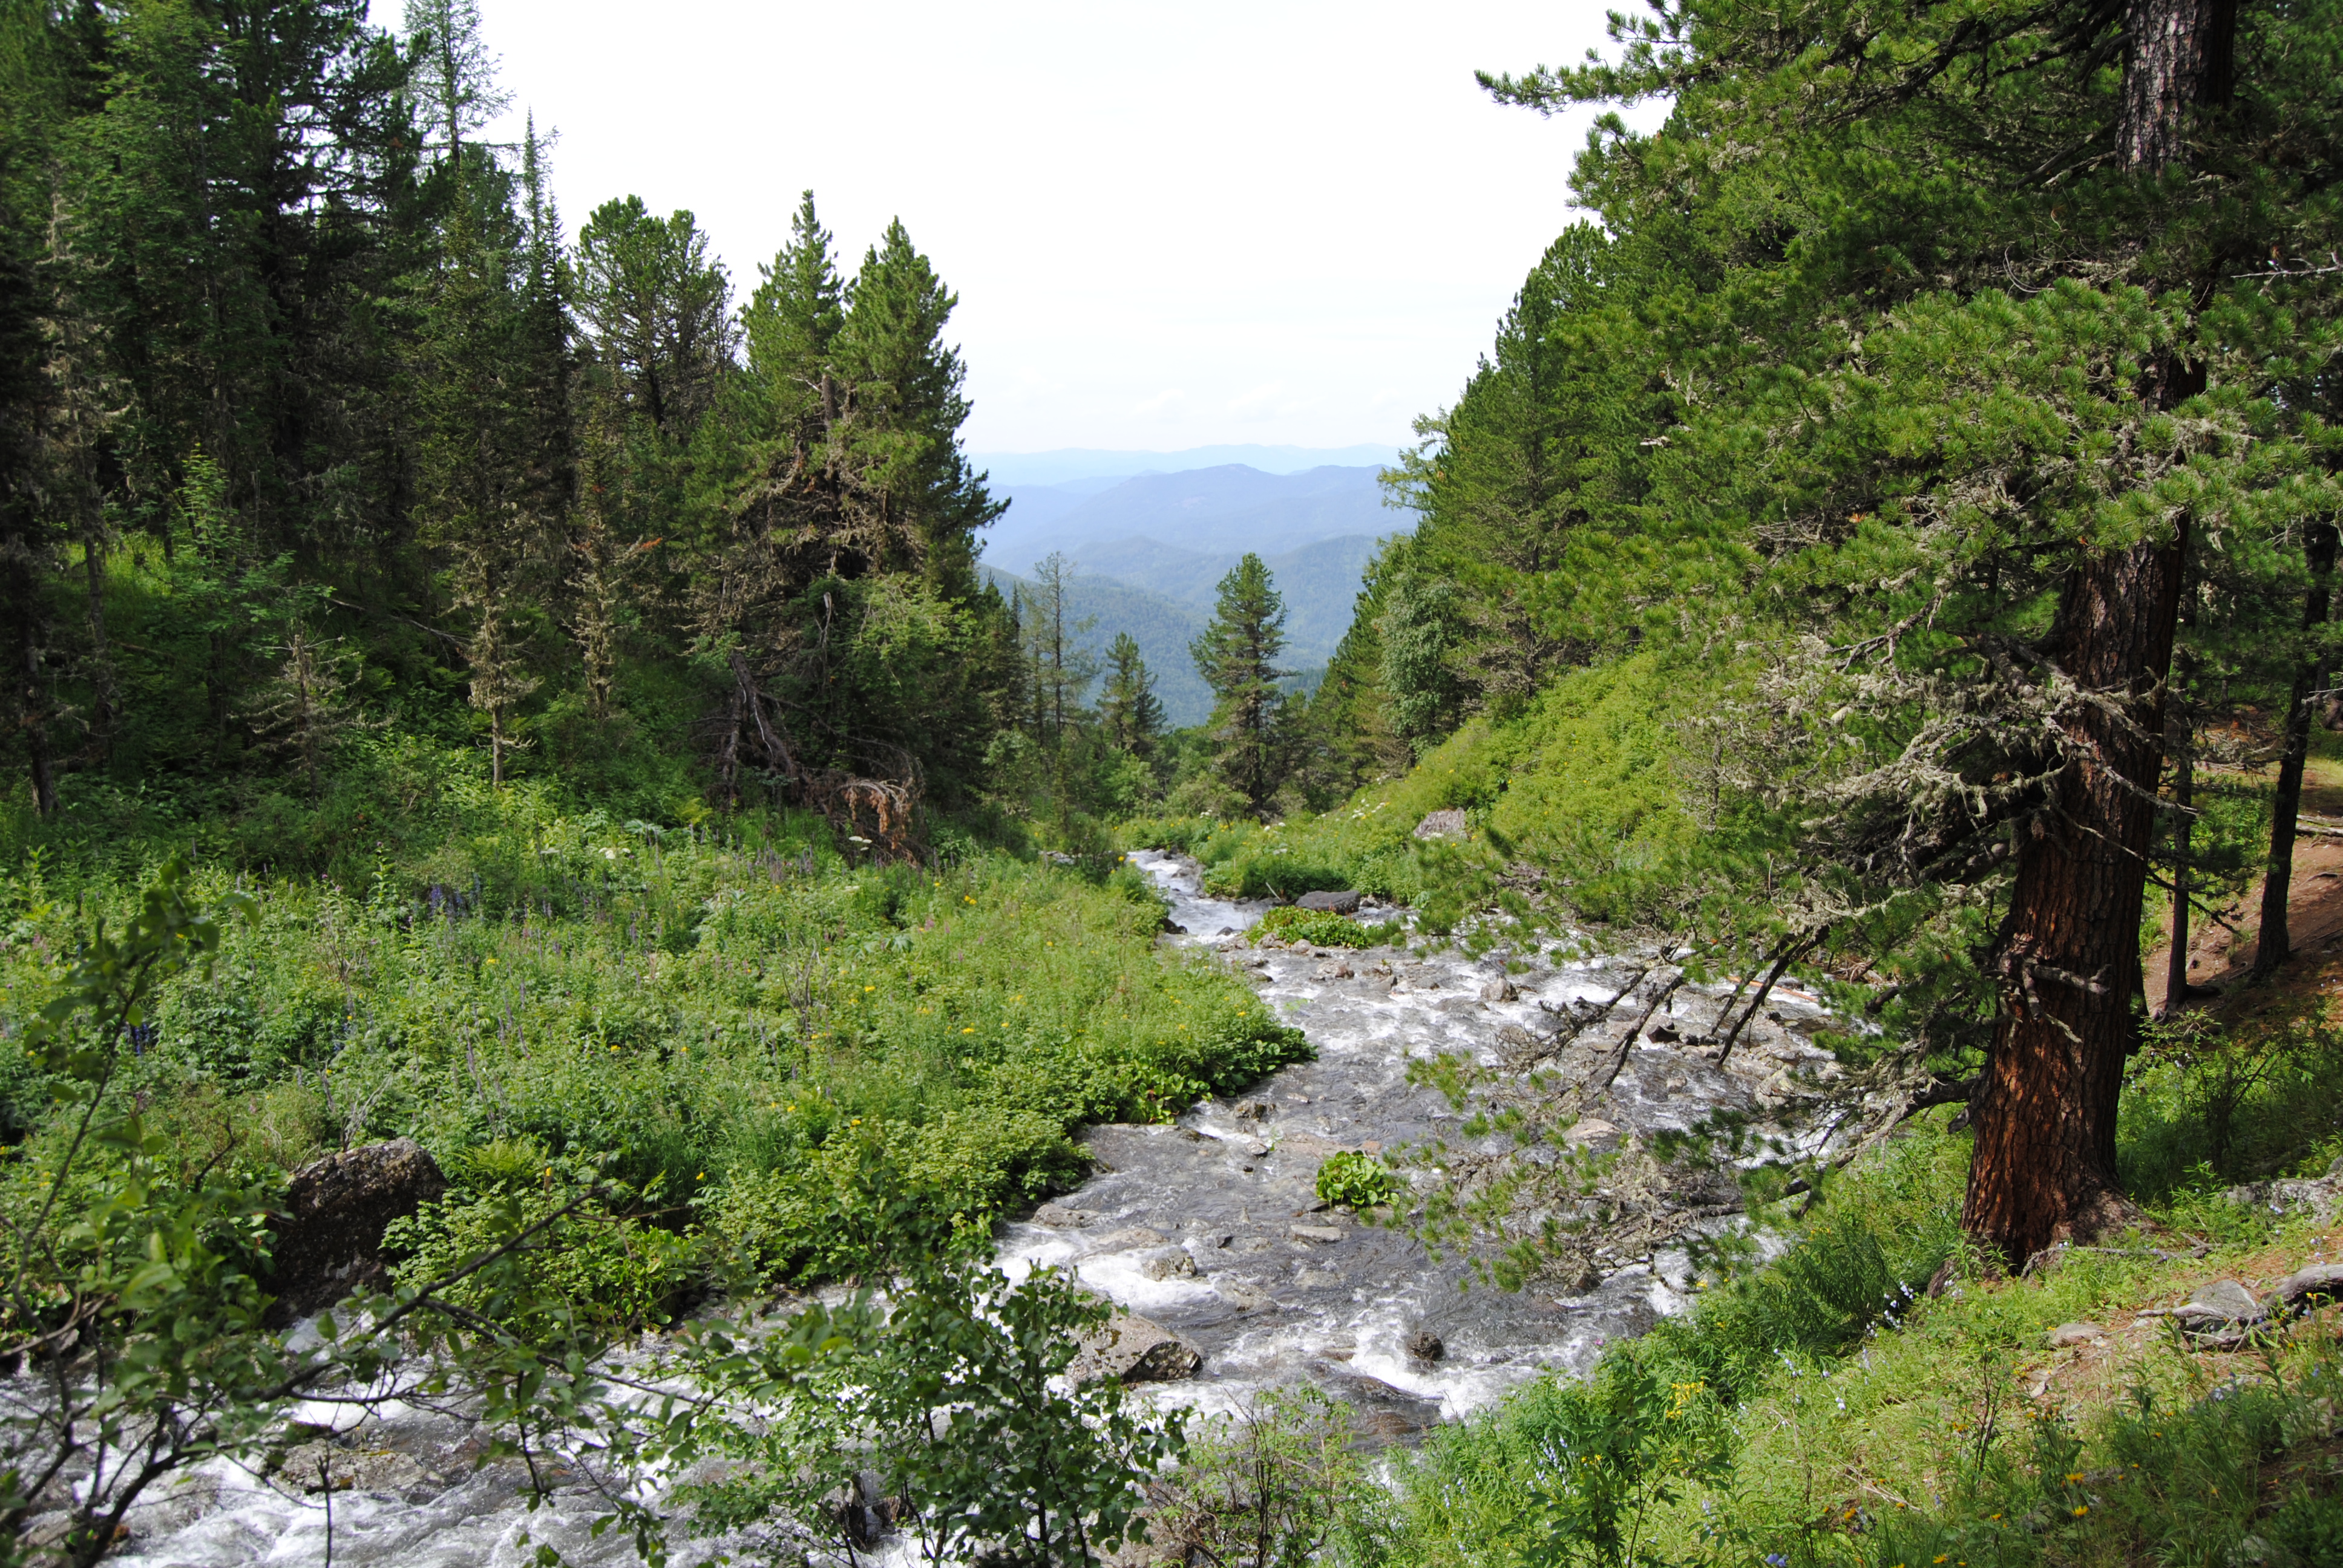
1208	1226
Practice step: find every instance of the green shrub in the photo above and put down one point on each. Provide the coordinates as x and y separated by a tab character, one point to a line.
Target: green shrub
1861	1260
1356	1182
610	1270
1321	928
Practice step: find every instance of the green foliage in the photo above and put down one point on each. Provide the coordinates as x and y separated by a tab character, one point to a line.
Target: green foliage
1237	656
1349	1179
739	1022
1858	1263
2208	1104
1322	928
608	1270
1029	1462
1573	1472
1267	1486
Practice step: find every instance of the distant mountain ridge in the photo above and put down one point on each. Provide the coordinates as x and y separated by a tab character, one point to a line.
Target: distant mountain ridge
1229	507
1320	583
1056	468
1147	554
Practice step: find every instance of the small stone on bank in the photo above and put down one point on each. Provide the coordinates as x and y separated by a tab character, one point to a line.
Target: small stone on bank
2066	1336
2311	1283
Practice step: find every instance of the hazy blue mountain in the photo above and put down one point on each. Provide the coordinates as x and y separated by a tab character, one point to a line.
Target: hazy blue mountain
1163	597
1011	468
1211	511
1320	582
1032	507
1162	629
1147	552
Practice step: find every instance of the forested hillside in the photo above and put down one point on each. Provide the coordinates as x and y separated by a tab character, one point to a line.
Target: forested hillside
516	716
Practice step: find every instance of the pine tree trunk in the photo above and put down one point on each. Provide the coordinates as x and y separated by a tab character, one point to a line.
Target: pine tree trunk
2273	944
2068	954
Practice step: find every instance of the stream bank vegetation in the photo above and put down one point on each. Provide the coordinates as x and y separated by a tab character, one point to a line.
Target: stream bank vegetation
513	693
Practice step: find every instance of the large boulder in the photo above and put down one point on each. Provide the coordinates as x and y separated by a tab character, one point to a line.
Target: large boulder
1129	1349
327	1234
1333	903
1447	824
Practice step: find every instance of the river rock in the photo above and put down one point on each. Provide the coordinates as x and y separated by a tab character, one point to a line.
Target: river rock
1587	1129
1129	1348
1129	1239
1498	991
1381	1411
1317	1232
1064	1216
1342	903
1425	1346
327	1236
2310	1286
325	1466
1448	824
1168	1263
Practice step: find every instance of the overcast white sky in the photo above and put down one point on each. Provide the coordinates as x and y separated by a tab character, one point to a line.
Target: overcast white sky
1169	225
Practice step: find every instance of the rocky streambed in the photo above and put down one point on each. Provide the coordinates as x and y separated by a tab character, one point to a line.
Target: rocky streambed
1211	1228
1208	1231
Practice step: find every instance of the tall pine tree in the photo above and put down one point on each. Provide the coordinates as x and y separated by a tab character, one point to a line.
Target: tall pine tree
1237	656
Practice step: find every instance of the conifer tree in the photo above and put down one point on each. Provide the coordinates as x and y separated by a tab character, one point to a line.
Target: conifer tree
793	319
456	74
1237	656
657	311
304	712
908	393
1129	712
485	498
1060	670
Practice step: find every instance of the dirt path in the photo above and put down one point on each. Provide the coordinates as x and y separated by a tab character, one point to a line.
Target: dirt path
2222	951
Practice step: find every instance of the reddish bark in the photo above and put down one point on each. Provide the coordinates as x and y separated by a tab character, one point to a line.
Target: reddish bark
2068	951
2068	954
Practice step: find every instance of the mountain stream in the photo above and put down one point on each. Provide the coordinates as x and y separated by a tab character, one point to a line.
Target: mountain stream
1210	1228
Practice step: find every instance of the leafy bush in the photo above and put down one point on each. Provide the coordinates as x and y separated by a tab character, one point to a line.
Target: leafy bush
1352	1180
1321	928
608	1269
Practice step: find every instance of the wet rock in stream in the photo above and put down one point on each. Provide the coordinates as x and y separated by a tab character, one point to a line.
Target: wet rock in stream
1278	1283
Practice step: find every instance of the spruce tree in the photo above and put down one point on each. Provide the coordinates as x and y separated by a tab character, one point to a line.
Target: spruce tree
485	501
1128	711
907	398
1237	656
793	319
1060	670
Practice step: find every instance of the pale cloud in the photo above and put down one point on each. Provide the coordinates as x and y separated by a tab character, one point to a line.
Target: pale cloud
1127	198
